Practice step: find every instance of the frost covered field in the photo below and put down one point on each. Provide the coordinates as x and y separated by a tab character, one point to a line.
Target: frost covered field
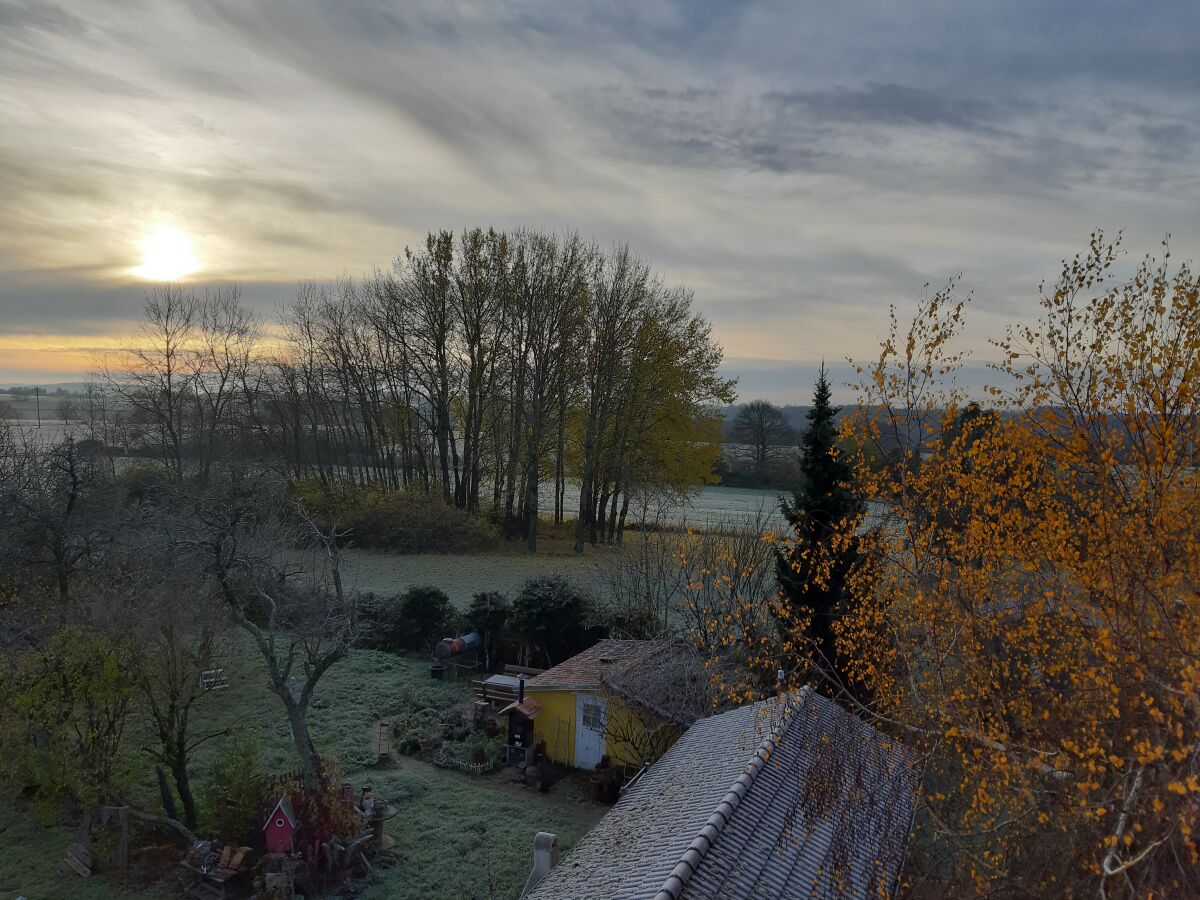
462	575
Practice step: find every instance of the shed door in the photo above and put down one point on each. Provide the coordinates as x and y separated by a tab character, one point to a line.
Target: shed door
589	730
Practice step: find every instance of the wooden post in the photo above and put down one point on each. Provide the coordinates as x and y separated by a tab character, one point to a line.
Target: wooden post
123	847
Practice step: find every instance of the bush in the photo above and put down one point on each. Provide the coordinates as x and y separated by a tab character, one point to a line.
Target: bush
234	800
398	521
376	625
413	620
640	623
64	709
425	616
488	612
418	730
145	483
553	614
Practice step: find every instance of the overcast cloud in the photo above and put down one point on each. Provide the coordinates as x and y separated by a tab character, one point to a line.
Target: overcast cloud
799	165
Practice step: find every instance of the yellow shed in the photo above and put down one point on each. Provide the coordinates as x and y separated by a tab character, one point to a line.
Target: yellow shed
584	715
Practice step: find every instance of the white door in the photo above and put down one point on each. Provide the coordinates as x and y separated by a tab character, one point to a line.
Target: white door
589	730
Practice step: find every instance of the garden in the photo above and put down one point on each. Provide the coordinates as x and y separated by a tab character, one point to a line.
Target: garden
455	834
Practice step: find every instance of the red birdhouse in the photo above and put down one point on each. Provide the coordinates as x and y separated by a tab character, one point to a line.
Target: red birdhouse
280	828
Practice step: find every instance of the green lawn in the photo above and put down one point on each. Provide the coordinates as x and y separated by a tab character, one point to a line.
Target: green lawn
451	831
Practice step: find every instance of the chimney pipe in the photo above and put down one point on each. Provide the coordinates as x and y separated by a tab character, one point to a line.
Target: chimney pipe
545	858
520	688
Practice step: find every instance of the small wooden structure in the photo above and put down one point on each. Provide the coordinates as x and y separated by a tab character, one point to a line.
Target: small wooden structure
279	831
77	860
79	856
501	690
215	874
383	743
213	680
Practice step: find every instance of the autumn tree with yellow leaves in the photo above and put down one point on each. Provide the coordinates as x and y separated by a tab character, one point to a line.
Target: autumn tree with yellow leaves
1027	613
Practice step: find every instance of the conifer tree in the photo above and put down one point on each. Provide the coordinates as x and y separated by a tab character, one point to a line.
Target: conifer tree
813	565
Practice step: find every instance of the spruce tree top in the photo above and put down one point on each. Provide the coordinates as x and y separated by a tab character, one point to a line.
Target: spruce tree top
823	496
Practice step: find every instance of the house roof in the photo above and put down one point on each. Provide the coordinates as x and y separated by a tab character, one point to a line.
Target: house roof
785	798
528	707
584	670
285	805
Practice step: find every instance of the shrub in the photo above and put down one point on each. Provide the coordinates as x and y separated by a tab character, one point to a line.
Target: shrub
488	612
424	617
399	521
418	730
373	629
553	614
638	623
413	620
65	707
234	800
144	483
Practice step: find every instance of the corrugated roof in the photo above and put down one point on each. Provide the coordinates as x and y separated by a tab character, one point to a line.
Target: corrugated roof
789	798
584	669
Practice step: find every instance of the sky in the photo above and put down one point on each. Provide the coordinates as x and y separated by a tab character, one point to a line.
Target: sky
799	165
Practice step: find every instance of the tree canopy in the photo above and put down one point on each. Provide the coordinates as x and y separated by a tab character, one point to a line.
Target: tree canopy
1029	613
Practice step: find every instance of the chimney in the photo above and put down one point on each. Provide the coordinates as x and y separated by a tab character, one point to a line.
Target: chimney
521	688
545	858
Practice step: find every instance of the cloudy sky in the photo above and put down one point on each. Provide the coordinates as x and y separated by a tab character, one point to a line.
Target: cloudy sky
799	165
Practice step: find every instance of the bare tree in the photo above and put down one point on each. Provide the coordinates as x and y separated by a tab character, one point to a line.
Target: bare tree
153	374
54	510
762	426
300	627
218	367
663	691
478	285
166	603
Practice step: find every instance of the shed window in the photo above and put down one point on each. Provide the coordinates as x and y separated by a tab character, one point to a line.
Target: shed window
591	716
279	823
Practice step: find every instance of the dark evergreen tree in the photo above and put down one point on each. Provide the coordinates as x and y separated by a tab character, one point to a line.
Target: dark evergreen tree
824	498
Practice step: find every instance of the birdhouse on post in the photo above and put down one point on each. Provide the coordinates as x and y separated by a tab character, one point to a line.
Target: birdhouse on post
280	828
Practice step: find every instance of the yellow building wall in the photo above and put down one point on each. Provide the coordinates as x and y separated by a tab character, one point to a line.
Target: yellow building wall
623	721
558	709
558	712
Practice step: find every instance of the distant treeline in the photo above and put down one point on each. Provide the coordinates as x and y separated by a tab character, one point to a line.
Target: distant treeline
480	366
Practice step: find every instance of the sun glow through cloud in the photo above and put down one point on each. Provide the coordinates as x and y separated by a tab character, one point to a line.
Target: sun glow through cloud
167	255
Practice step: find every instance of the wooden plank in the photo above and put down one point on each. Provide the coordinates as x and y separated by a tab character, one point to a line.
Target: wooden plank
78	867
522	670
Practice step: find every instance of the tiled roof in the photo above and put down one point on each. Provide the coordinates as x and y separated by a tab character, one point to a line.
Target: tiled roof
584	669
793	798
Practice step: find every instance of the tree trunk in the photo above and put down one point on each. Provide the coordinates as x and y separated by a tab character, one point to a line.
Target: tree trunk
306	750
183	786
168	799
531	504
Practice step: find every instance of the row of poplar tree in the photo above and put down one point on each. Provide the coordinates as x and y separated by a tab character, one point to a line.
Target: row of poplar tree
483	366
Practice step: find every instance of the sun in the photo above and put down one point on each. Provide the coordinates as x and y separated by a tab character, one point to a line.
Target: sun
167	255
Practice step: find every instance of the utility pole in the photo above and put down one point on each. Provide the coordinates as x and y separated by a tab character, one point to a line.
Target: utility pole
37	399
